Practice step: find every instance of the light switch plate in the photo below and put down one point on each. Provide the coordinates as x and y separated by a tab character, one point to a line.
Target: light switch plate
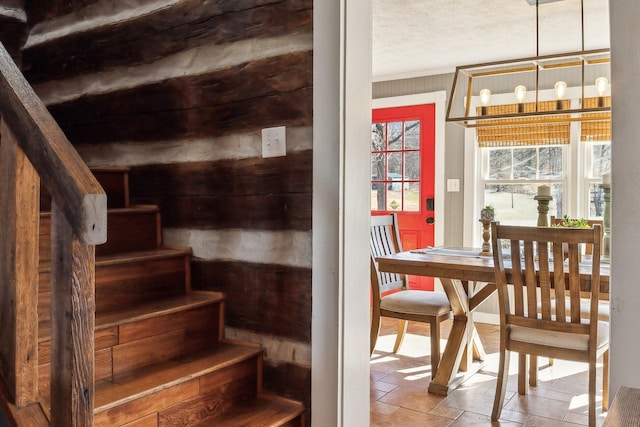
453	185
274	142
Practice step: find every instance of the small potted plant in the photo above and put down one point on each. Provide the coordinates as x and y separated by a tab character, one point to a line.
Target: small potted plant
487	212
572	223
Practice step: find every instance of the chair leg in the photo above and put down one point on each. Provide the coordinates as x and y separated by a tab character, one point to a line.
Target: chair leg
533	370
592	390
375	330
501	384
402	329
605	381
522	373
434	327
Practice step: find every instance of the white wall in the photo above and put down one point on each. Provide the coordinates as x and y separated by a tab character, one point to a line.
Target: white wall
341	139
625	209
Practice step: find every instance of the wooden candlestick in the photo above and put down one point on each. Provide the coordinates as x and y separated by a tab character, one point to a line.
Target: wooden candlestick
486	235
606	237
543	210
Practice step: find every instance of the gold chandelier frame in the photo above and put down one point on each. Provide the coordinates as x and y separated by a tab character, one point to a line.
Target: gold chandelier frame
464	102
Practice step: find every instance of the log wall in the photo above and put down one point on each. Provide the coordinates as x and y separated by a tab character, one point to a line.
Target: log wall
13	27
179	90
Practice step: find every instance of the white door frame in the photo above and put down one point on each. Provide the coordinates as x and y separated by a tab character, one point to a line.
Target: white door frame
340	276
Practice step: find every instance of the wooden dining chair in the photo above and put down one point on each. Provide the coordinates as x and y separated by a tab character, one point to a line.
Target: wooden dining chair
537	280
603	305
392	297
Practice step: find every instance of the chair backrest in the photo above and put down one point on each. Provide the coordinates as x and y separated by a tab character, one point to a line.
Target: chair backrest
588	248
385	240
538	279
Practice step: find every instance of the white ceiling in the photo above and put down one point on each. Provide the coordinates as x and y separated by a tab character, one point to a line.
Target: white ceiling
425	37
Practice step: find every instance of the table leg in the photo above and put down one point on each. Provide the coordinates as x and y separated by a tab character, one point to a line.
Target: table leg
463	342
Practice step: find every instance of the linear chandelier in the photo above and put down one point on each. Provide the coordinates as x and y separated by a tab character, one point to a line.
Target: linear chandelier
545	89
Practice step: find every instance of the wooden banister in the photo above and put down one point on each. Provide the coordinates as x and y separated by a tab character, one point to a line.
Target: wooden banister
34	150
58	164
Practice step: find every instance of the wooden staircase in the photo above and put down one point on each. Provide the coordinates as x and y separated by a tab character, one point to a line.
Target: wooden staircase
161	358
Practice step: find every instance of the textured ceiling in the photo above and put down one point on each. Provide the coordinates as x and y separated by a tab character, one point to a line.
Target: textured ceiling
424	37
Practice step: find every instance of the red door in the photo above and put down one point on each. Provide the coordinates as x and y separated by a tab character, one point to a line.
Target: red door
402	174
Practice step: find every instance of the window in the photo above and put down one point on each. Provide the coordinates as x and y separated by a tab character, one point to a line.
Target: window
508	177
511	176
395	166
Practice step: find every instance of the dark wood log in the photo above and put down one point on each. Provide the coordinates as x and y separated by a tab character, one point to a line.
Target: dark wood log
288	380
40	10
264	212
267	299
184	25
19	196
245	177
243	98
72	326
272	193
13	34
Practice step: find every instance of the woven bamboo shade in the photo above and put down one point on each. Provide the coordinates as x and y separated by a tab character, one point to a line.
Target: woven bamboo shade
594	129
523	131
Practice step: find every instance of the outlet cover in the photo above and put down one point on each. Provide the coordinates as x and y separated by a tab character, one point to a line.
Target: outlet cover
274	142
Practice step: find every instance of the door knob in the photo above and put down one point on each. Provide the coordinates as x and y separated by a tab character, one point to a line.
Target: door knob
430	220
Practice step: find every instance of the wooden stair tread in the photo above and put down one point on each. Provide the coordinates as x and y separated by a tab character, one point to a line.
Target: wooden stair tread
264	411
125	257
144	311
154	378
120	211
158	308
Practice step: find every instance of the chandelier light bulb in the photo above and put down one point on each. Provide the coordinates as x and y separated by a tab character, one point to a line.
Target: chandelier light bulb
601	85
485	94
521	92
561	89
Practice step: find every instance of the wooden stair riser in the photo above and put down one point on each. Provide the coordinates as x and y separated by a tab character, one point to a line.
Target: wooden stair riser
134	345
125	284
128	230
190	402
164	362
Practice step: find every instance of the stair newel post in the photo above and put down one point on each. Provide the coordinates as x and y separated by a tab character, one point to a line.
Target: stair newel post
72	325
19	223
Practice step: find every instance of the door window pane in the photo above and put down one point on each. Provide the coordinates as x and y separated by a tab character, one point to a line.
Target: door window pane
412	135
378	137
412	166
395	135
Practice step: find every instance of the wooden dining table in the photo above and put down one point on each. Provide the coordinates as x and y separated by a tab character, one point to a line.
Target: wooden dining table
468	279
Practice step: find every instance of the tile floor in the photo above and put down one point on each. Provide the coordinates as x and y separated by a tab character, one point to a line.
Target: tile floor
399	384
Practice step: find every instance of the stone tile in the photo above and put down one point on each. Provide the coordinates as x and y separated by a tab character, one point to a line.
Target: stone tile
399	385
402	417
383	386
535	405
535	421
470	419
417	400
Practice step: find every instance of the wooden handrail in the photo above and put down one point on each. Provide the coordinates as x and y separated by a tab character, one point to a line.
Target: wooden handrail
33	149
60	167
